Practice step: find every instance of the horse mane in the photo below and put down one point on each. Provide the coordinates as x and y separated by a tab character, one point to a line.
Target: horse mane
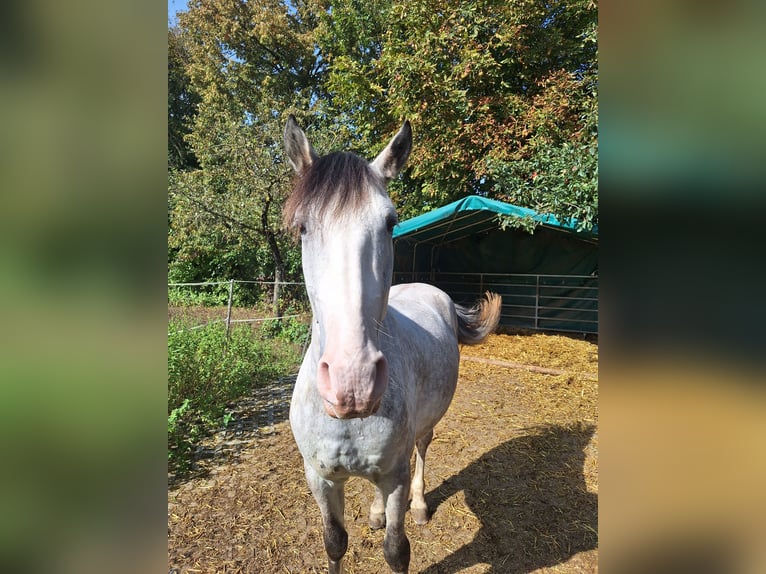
337	181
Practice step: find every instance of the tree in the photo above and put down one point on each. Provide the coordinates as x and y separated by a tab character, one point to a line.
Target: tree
250	63
556	172
182	104
501	95
487	84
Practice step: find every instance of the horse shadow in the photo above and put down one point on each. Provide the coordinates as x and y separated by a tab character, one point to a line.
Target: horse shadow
530	496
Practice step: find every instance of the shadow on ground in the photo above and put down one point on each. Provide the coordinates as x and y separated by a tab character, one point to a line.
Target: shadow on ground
529	493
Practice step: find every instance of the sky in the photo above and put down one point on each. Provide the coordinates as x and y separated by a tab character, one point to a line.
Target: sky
173	7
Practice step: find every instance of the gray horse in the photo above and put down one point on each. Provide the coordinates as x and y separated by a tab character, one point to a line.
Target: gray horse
382	365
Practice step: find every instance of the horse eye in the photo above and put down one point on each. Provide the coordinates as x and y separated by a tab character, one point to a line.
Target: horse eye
302	229
391	222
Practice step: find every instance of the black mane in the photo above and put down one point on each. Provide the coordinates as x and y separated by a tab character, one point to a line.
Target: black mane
338	180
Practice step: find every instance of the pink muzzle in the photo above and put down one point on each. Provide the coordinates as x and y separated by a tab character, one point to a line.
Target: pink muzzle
352	386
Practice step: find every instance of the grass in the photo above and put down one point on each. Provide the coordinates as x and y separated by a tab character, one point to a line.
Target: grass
207	370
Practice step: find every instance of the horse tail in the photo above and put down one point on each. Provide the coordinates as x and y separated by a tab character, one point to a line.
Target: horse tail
478	322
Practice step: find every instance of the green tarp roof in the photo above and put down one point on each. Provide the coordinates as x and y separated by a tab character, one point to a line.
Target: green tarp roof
472	214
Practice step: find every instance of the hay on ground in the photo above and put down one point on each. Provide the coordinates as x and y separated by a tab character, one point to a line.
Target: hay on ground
511	479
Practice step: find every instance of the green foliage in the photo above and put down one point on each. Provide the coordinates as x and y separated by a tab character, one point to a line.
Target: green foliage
243	295
206	371
250	64
562	181
502	96
213	296
292	329
182	434
182	104
528	224
486	84
557	172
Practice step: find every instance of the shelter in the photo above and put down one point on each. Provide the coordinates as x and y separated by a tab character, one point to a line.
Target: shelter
548	279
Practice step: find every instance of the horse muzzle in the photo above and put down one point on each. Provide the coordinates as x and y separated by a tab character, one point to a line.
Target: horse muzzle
341	412
352	389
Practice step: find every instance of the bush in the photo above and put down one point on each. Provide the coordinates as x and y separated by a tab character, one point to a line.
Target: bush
244	295
206	371
190	296
292	329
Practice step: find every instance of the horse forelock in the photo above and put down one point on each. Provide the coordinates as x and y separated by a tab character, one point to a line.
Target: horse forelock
334	184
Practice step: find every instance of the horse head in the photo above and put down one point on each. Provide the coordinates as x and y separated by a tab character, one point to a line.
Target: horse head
341	208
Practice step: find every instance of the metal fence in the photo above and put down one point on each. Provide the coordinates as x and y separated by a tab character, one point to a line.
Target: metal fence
228	320
567	303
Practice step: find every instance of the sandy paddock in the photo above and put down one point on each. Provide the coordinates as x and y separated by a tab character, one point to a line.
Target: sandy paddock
511	478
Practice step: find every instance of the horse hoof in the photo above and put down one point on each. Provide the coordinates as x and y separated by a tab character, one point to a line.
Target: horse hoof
419	515
377	521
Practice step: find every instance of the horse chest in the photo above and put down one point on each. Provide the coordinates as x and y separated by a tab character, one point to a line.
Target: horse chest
338	449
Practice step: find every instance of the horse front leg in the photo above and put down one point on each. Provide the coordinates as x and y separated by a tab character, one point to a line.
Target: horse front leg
396	547
330	499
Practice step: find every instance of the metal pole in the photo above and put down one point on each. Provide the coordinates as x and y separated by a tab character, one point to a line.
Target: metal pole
228	309
537	300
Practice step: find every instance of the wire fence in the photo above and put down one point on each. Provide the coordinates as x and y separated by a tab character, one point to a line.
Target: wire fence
567	303
272	286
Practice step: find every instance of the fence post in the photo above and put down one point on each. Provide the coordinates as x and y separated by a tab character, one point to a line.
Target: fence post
228	308
537	301
277	293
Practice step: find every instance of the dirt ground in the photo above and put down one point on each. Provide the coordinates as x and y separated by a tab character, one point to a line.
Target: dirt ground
511	478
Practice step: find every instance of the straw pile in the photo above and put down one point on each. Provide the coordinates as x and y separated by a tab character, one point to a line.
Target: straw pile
511	480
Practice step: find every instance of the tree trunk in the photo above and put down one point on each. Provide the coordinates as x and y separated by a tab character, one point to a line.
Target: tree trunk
279	265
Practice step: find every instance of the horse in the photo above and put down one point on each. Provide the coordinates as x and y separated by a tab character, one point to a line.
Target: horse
382	365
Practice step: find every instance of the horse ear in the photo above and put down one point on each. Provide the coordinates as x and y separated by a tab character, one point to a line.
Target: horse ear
392	159
300	154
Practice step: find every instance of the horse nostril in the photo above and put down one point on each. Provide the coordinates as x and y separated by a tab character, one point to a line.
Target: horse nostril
381	376
352	388
381	365
324	384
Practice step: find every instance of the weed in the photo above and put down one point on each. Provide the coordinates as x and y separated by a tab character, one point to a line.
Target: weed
206	371
292	329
